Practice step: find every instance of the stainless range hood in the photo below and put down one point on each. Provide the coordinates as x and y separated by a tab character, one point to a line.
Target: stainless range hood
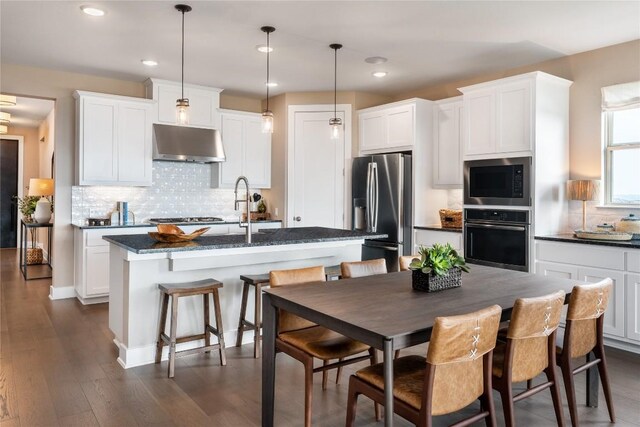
187	144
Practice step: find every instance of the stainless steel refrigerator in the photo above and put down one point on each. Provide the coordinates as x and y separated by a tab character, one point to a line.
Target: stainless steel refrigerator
381	191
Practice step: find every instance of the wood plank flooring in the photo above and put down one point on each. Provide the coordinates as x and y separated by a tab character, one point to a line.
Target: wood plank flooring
58	368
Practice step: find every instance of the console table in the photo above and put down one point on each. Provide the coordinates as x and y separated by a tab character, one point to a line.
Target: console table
25	229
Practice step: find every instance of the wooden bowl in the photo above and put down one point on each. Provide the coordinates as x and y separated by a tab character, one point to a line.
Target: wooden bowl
177	237
169	229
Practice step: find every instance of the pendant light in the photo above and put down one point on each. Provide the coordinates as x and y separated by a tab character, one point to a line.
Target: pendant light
335	122
5	118
267	115
182	104
7	100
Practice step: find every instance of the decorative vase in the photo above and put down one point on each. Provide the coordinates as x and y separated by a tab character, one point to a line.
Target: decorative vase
42	213
432	283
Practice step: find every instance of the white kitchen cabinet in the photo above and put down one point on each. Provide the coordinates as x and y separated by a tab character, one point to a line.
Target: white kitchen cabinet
204	102
593	263
507	117
387	128
113	140
447	143
429	237
248	151
96	272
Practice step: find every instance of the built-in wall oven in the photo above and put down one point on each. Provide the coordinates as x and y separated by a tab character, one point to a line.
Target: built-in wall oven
498	182
497	238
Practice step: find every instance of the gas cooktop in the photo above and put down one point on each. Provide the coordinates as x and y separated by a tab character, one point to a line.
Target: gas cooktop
183	220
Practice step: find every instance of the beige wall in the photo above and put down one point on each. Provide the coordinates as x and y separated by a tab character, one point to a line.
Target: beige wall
232	102
46	131
589	71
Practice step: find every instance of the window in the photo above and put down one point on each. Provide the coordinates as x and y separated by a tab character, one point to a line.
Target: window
621	135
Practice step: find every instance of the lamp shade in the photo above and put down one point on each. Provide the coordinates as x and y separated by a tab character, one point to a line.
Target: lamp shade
40	187
583	189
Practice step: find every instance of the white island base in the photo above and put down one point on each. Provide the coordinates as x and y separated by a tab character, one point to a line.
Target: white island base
134	298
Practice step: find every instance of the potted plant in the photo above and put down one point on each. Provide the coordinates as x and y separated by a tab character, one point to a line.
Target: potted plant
27	206
439	267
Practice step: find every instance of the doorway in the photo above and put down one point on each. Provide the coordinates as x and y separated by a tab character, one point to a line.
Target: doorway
9	185
317	167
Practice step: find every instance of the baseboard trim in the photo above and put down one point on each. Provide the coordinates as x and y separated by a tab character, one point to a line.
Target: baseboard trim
61	292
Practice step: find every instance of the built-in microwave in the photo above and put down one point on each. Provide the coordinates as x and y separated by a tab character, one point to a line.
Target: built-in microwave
498	182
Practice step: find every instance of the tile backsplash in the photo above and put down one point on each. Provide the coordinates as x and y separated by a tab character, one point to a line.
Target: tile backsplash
596	215
178	189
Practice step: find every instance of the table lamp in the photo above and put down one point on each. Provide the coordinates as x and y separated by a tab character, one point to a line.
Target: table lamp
41	187
583	189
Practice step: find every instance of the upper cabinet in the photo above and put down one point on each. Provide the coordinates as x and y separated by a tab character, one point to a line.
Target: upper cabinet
390	127
502	117
248	151
447	143
113	136
204	102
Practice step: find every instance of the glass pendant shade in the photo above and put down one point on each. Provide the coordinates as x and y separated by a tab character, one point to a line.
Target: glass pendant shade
182	111
5	118
267	121
336	127
3	129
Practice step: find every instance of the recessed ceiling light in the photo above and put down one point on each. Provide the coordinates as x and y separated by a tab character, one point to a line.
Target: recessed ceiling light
263	48
271	84
92	11
379	74
375	60
149	62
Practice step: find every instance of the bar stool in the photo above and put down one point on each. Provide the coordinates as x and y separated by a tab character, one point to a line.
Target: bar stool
176	291
260	281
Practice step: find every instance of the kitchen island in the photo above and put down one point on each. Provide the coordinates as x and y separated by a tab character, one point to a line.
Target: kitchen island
138	264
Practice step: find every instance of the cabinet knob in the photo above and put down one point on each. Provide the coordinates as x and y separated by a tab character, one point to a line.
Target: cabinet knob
297	218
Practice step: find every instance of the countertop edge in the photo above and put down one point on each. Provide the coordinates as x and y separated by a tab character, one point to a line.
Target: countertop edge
568	238
437	228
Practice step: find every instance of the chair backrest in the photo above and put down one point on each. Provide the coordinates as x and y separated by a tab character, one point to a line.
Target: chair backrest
405	261
287	321
456	350
533	323
354	269
587	304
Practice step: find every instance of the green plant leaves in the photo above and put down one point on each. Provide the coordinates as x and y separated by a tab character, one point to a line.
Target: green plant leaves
438	259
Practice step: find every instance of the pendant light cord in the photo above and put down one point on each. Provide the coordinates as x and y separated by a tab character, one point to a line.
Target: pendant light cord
268	54
182	96
335	83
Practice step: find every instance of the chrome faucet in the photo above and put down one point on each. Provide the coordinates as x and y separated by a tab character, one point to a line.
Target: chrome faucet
247	201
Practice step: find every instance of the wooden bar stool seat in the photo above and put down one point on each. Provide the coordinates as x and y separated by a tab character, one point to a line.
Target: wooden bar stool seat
259	282
175	291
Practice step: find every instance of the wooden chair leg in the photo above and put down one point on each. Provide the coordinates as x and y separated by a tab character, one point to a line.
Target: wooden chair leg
567	376
325	375
352	402
308	391
207	335
243	312
604	378
486	400
161	326
373	357
529	384
339	372
257	321
397	354
555	393
219	328
172	335
506	394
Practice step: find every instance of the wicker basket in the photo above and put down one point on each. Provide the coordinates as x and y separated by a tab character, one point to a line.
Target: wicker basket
34	256
432	283
450	218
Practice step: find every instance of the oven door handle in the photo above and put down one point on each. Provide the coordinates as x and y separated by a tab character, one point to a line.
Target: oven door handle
498	227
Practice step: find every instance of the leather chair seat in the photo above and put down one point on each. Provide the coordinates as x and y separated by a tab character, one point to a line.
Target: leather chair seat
323	343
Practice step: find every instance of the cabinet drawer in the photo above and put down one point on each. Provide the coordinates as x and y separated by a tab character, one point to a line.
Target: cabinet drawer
580	254
633	261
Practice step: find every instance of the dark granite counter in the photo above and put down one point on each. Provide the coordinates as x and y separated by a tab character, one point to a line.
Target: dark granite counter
143	244
437	228
146	224
570	238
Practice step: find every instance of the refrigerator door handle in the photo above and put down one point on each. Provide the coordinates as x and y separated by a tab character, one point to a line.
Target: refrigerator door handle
374	167
368	207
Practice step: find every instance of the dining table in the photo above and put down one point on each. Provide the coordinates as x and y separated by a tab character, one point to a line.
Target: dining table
384	312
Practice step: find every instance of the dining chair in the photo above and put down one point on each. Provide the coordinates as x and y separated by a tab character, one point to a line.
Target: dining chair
405	261
528	351
455	373
355	269
305	341
582	335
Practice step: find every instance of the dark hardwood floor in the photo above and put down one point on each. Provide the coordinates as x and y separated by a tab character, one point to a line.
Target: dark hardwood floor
58	367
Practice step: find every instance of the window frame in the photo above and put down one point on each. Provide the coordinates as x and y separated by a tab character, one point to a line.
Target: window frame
609	148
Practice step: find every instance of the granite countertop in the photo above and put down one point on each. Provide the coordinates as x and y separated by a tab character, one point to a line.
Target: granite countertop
437	227
570	238
146	224
143	244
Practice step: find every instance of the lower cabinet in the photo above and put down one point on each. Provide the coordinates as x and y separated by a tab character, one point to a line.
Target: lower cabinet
429	237
593	263
96	272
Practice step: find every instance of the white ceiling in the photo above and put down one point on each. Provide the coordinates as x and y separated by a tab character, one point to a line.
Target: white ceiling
427	42
29	112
